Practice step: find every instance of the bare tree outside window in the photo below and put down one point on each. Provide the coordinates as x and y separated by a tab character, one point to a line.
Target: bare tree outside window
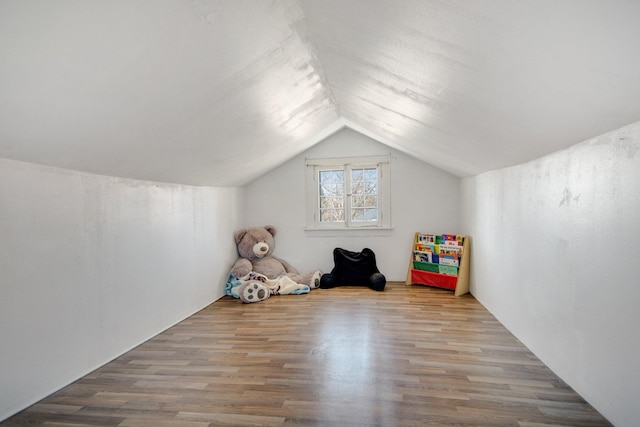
331	191
364	194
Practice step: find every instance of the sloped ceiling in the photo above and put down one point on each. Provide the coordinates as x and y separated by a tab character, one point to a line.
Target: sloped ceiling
218	92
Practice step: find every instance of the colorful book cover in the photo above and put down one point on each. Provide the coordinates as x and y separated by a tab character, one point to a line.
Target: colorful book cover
448	270
450	254
452	250
426	238
423	256
425	247
448	260
452	239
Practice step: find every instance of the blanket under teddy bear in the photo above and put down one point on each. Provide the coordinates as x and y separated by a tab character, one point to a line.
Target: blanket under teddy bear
255	287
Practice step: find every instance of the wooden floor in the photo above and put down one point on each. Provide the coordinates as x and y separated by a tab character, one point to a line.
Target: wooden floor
408	356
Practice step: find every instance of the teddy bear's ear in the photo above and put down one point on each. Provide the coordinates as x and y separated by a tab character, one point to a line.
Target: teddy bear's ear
271	229
240	234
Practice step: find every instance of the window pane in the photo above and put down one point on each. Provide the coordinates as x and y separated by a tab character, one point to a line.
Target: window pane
357	201
331	182
331	215
371	214
364	198
331	195
357	214
331	176
331	202
370	181
371	174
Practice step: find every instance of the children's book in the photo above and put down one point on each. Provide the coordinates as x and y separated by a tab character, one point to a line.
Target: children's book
425	247
450	254
427	239
452	239
423	256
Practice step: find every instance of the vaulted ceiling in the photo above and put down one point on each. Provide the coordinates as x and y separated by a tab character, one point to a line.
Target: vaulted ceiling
218	92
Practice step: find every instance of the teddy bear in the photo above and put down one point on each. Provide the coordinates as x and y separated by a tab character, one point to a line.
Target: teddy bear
255	247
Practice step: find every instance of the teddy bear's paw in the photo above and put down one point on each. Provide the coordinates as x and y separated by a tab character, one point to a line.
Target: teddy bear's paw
315	280
253	292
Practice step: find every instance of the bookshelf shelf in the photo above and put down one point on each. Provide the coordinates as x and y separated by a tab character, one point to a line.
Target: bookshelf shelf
441	261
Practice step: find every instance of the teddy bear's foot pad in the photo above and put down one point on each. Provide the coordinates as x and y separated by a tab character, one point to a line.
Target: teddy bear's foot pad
315	280
253	292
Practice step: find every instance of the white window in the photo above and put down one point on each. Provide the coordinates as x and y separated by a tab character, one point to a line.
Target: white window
348	193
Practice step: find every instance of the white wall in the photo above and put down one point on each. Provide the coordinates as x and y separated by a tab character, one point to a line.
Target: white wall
555	259
423	198
91	266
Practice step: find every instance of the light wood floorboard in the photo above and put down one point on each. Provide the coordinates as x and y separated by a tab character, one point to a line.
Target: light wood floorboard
408	356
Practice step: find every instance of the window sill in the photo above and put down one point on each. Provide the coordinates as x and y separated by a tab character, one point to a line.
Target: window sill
341	231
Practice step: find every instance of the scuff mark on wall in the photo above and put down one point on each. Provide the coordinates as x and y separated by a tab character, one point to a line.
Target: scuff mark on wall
626	140
568	197
629	145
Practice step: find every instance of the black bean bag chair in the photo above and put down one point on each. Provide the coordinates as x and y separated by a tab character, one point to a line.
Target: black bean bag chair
354	268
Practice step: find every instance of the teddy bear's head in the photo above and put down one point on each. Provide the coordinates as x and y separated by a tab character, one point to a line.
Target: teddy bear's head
255	242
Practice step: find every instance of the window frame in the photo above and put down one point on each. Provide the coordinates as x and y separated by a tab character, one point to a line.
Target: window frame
314	166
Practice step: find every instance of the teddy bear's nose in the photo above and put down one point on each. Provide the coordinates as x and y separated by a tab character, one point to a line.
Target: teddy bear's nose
260	249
